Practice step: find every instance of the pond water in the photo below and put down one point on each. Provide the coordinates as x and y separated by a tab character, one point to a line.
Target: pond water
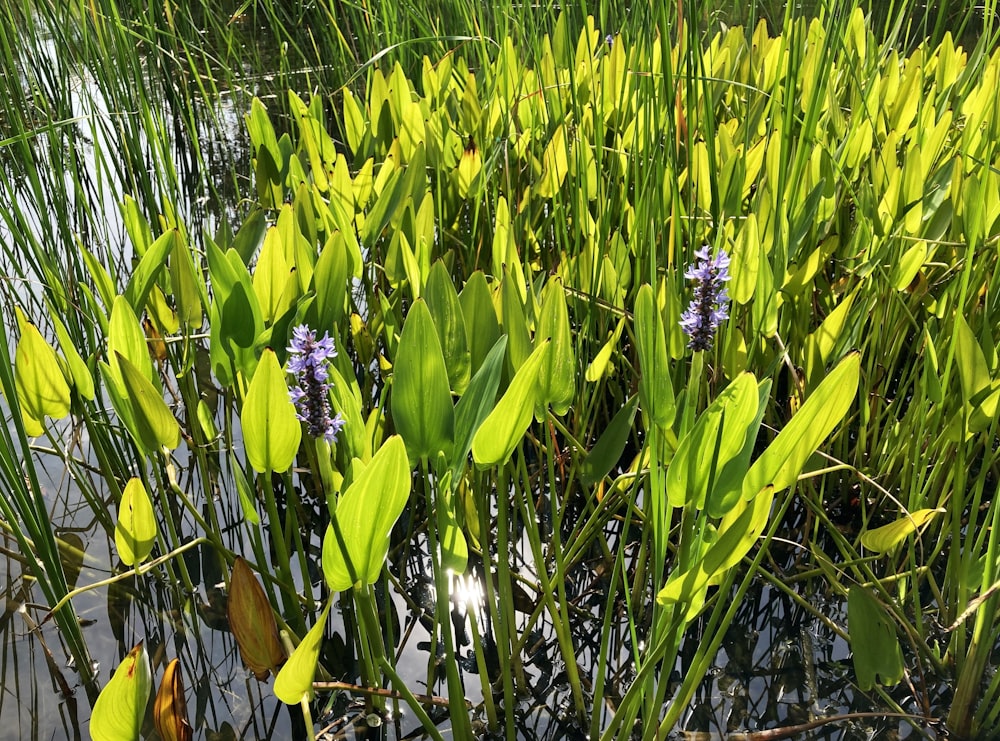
779	665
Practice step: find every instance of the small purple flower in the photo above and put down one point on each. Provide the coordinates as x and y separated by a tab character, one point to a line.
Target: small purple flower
311	397
609	40
710	305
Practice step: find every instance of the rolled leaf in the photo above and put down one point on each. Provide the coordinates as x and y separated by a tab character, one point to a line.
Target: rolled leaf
170	707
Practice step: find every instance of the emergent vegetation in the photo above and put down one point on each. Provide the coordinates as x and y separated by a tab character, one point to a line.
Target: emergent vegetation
618	318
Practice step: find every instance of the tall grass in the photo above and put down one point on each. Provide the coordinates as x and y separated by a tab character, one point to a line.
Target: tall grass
577	160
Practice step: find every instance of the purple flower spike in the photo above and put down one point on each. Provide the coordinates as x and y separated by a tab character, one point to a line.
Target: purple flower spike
710	305
311	397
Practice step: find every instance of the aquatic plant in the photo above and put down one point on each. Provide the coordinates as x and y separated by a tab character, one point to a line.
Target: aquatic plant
492	239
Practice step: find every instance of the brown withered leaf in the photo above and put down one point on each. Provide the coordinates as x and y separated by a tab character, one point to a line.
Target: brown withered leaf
170	707
252	622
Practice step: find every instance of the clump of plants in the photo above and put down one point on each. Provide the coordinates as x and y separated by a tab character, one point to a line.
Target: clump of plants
620	302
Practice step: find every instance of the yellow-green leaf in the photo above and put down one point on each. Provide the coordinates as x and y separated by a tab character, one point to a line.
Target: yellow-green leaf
782	462
42	389
294	682
502	430
886	538
154	423
121	706
365	515
135	531
271	429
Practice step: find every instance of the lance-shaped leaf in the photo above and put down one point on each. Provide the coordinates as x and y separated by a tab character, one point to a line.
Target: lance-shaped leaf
782	462
170	707
294	682
78	370
738	531
252	622
886	538
476	404
135	531
121	706
421	399
717	438
608	449
481	325
154	423
365	516
126	338
505	426
446	310
557	379
271	430
656	393
873	640
148	268
42	389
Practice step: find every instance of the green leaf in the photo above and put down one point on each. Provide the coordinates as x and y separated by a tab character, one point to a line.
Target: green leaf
135	531
481	323
515	326
886	538
909	265
366	513
271	275
607	451
505	426
656	393
121	706
155	424
446	310
557	377
42	389
780	465
476	404
454	548
873	640
79	372
717	438
738	531
126	338
144	274
271	429
294	682
421	400
598	367
190	294
973	372
330	281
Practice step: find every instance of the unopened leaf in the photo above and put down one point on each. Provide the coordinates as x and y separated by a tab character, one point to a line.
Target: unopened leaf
170	707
